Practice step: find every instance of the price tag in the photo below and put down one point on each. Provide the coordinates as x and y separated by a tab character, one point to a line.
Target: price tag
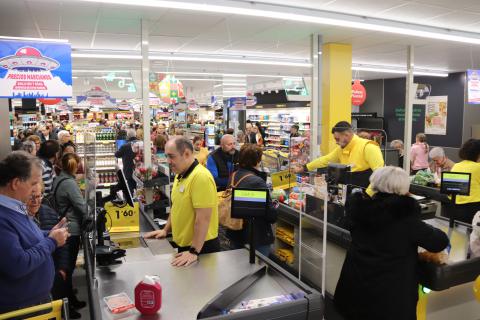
122	219
283	180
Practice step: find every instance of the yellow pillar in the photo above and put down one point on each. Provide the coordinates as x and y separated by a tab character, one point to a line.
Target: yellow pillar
336	90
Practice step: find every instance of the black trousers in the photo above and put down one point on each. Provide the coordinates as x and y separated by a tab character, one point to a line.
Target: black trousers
464	212
209	246
73	244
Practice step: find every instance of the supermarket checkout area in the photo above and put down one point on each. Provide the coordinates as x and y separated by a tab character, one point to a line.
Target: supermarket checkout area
300	229
208	289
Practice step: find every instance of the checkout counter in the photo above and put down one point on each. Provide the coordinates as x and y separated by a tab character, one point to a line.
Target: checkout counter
205	290
451	284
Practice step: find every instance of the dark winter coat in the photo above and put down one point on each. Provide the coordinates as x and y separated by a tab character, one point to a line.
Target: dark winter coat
263	227
48	218
379	278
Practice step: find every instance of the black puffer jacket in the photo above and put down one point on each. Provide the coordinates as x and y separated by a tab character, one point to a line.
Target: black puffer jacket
379	278
263	227
48	219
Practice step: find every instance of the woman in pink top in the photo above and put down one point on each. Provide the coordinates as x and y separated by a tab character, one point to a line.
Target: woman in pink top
419	153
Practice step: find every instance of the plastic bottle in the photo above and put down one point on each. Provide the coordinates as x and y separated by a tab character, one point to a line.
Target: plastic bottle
148	295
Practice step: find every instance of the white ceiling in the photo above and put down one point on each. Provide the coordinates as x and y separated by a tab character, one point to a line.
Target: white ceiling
100	26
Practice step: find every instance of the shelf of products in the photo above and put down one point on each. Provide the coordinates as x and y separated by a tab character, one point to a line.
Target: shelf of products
277	124
105	136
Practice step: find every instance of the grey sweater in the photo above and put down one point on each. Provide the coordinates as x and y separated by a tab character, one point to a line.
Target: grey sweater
69	196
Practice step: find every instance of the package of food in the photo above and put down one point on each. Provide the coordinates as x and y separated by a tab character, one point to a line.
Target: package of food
119	303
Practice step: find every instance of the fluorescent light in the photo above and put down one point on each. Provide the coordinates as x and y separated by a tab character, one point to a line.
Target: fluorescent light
107	56
255	9
34	39
114	78
230	74
396	70
198	79
217	85
99	71
227	60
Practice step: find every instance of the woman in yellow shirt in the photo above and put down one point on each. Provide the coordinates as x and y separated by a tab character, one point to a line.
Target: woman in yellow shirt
467	206
200	153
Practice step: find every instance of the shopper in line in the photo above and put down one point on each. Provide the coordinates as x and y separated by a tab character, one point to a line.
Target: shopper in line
26	267
398	145
48	154
200	152
419	153
259	133
45	133
223	161
379	278
440	161
467	206
126	153
363	155
64	137
250	136
35	139
159	144
249	176
71	203
294	131
193	218
29	147
240	138
47	218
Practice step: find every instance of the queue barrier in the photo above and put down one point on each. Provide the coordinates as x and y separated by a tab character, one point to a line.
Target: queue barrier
55	311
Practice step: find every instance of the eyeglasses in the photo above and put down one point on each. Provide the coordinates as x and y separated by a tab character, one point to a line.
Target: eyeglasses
36	198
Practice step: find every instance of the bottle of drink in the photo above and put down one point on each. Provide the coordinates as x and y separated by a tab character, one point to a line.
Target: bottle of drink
148	296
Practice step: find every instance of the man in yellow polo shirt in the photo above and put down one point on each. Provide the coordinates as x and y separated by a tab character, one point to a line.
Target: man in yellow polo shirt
363	155
193	218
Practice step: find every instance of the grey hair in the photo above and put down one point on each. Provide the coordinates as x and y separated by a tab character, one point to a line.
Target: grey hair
131	133
394	142
437	152
62	133
225	136
390	179
28	146
181	143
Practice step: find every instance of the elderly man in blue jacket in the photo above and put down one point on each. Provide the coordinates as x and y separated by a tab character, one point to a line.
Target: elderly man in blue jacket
26	267
223	161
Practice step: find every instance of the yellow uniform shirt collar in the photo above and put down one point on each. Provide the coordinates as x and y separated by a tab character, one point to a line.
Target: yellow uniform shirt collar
348	148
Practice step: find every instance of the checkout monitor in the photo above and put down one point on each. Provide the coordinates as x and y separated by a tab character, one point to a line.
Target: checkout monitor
249	203
457	183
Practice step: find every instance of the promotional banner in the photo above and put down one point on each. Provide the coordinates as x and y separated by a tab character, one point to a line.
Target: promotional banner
237	104
473	86
436	115
96	97
359	94
422	92
35	69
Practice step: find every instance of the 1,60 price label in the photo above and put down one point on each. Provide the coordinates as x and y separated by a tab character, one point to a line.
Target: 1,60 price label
283	180
122	219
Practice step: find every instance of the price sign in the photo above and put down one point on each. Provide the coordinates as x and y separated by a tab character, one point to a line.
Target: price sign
283	180
122	219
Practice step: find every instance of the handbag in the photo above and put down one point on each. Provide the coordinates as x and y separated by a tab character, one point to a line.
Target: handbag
225	206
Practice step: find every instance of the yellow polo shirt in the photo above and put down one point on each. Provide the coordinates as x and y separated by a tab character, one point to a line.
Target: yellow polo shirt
474	169
196	191
361	153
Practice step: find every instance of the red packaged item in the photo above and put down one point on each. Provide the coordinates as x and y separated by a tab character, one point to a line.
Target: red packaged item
148	295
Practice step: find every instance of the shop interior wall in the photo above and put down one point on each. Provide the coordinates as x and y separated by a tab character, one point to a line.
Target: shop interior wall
392	93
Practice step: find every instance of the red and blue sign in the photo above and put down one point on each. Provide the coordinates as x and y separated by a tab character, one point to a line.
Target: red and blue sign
35	69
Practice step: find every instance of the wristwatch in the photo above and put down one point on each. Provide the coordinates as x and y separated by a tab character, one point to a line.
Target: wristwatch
194	251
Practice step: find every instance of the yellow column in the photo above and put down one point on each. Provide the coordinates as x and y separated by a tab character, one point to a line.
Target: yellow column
336	90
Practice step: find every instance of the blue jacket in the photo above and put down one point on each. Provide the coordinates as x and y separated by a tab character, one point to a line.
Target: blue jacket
26	266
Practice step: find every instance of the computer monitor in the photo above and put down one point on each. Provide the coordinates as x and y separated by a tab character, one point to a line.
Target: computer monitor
456	183
249	203
338	173
124	192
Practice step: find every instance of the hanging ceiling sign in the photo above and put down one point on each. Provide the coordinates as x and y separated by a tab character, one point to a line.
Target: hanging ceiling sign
473	86
251	99
359	94
192	105
96	97
50	101
237	104
35	69
124	105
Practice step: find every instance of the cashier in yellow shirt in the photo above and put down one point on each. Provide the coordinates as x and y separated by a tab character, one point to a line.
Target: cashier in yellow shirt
363	155
467	206
193	218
